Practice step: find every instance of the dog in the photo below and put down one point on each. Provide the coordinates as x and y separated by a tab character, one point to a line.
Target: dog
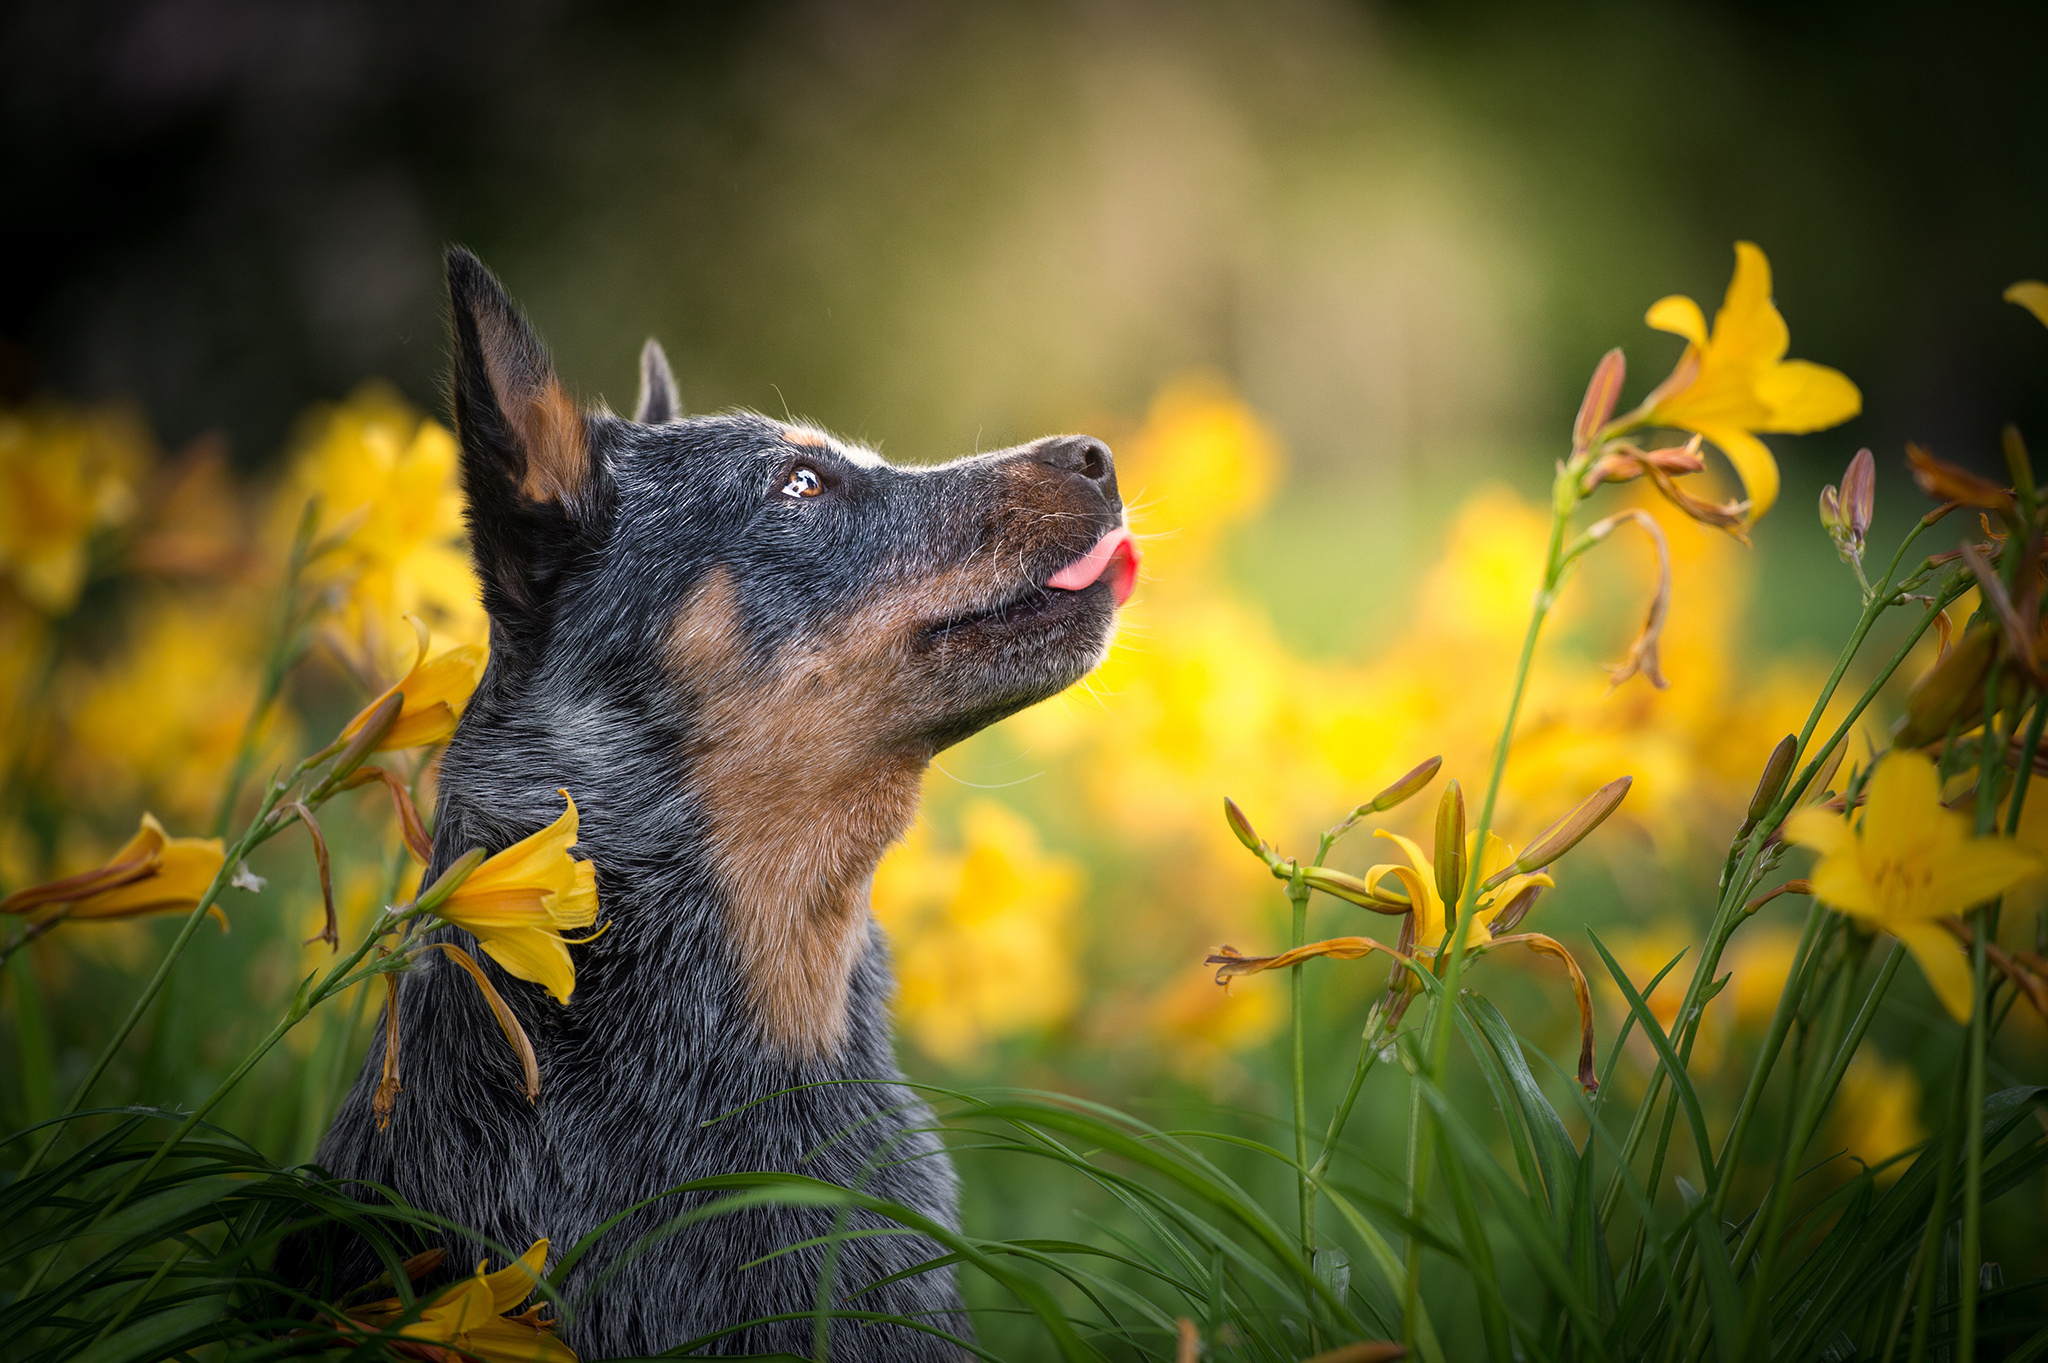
737	643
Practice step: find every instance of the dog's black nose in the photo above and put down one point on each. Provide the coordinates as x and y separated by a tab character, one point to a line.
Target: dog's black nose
1081	455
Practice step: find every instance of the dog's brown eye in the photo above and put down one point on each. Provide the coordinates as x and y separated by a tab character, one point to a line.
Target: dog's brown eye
803	482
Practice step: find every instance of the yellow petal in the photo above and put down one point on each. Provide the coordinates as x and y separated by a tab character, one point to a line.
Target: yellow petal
1942	961
514	1283
418	727
499	1340
1419	875
1753	464
436	693
535	955
1974	872
1748	329
1825	831
1803	396
1680	316
185	867
2032	295
454	1313
1840	883
537	859
1902	808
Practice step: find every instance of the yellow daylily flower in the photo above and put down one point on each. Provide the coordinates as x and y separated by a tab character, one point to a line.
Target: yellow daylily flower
516	904
1418	877
1740	381
2032	295
436	693
1913	865
469	1317
152	873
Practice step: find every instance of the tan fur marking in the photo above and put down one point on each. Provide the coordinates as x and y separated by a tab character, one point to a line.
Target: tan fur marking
542	415
804	435
807	775
557	447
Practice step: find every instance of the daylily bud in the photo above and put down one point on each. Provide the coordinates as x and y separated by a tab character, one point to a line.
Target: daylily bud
2017	465
1824	779
1407	787
1351	890
1831	512
1950	686
1562	836
1503	923
1772	784
1946	482
1859	494
1240	826
375	723
1602	391
450	881
1450	843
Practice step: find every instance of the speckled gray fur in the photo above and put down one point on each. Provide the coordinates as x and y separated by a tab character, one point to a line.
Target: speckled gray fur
659	1038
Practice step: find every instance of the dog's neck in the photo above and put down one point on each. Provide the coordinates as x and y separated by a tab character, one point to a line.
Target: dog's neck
737	828
801	795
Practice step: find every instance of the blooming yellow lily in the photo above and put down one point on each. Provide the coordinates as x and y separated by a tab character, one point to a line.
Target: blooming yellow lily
468	1318
152	873
1734	381
516	904
1417	875
1913	865
435	693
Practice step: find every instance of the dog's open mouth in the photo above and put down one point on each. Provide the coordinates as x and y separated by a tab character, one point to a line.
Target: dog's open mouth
1115	557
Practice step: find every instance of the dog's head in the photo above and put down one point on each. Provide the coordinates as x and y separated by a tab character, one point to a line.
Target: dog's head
819	621
929	601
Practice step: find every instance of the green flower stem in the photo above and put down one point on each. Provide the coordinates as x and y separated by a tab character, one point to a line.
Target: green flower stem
285	648
1973	1143
1368	1055
259	831
1767	1056
1297	897
309	997
1565	496
1813	944
1767	1231
1727	914
1984	922
1926	1267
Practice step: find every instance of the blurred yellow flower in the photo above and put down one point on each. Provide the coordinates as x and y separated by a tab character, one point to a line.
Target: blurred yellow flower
981	935
436	694
1911	865
63	476
160	719
1202	695
387	483
152	873
2032	295
517	902
1877	1110
1735	380
1202	462
469	1316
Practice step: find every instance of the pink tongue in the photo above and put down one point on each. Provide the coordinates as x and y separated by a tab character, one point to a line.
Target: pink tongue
1115	553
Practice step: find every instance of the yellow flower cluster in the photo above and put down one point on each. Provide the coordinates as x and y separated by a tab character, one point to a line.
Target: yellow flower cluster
390	506
1203	696
983	935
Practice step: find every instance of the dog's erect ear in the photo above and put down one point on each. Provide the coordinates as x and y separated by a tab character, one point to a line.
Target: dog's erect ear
658	400
531	480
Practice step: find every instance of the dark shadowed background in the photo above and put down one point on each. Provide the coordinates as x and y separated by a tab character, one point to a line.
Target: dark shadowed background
1396	227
